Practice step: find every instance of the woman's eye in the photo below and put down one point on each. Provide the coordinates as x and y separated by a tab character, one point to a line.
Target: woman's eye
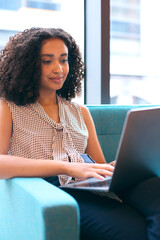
47	62
64	60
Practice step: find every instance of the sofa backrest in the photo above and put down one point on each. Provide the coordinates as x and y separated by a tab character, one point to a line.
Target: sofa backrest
109	120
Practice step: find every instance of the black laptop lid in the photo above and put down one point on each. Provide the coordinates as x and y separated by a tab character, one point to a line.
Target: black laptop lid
138	155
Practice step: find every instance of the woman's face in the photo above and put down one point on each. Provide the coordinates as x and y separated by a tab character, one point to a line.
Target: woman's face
54	64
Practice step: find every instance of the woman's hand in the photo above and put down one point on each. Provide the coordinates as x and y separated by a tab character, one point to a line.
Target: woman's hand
113	163
87	170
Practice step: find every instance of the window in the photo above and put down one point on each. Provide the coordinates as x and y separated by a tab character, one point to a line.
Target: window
134	52
18	15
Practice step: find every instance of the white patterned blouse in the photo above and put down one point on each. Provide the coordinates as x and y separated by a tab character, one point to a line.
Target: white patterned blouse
35	135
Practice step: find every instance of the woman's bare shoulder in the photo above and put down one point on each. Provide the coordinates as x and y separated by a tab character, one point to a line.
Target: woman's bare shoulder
4	105
86	113
5	126
84	110
5	113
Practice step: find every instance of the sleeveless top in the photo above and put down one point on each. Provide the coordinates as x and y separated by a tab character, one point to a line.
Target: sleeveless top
35	135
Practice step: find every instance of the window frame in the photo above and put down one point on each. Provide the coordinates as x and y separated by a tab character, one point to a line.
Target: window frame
97	44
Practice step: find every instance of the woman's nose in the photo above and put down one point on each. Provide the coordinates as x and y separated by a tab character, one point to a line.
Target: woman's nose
57	67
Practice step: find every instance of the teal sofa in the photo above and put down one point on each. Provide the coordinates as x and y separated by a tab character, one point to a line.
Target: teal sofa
32	209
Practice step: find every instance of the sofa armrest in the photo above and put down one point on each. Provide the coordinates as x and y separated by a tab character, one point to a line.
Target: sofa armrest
31	208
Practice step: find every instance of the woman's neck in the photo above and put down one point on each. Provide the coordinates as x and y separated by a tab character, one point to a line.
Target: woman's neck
50	106
47	100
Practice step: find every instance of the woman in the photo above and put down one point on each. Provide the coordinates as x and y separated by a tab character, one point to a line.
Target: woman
43	133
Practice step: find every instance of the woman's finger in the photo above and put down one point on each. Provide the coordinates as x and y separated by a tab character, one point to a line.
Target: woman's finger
112	163
104	166
104	172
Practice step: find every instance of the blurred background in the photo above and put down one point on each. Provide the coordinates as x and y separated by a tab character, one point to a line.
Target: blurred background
134	37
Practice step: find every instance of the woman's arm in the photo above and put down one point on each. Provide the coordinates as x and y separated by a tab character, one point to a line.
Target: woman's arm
12	166
93	146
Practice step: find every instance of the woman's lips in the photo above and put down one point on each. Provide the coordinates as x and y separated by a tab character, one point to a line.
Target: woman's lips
56	79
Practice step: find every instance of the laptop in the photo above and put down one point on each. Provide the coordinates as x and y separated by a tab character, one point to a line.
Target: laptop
138	154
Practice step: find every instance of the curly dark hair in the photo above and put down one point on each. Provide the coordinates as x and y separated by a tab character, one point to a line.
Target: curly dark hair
20	66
